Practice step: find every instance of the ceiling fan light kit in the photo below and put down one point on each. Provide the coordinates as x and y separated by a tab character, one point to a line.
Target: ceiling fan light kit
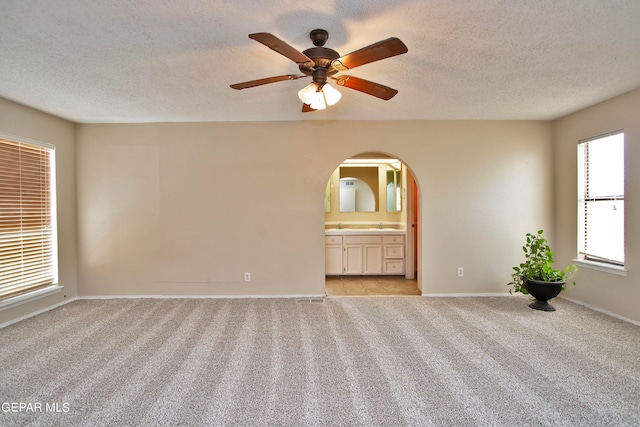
318	97
321	63
331	95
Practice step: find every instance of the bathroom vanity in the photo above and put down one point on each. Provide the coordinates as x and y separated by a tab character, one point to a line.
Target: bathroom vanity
364	252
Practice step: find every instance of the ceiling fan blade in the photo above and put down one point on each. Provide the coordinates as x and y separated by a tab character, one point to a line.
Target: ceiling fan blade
383	49
306	108
274	43
268	80
365	86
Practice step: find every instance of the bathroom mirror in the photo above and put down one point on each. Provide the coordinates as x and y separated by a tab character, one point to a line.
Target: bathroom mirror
327	197
357	184
394	187
356	196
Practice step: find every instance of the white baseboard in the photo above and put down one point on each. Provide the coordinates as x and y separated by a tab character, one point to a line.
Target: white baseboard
199	296
35	313
486	294
601	310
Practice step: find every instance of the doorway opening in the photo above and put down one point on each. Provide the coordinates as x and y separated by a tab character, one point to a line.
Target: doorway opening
368	286
371	212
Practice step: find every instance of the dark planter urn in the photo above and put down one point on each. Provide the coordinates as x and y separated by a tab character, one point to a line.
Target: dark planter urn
543	292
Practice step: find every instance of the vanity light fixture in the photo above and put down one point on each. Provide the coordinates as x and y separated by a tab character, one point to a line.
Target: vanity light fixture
394	163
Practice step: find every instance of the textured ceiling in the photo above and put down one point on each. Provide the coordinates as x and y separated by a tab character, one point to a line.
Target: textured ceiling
166	60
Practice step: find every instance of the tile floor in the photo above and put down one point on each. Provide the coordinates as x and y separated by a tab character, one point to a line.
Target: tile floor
370	286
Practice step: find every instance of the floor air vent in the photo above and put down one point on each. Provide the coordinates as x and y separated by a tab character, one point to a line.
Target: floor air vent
317	300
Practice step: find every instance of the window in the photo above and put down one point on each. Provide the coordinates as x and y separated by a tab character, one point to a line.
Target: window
601	199
27	221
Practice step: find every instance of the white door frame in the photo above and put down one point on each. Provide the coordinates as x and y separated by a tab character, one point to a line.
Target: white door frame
410	270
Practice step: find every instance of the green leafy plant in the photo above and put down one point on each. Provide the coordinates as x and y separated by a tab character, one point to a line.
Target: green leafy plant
537	265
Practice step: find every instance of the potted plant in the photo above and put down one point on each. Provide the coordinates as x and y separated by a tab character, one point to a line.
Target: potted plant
536	277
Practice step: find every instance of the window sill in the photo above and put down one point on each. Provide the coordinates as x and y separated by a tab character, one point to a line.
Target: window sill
599	266
29	296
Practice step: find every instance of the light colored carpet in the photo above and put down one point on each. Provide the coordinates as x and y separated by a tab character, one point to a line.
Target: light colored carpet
348	361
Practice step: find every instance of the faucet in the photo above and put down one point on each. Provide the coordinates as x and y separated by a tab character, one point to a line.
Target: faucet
340	226
380	226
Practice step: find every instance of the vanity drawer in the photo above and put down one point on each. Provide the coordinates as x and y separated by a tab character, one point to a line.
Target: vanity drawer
394	266
333	240
394	251
397	239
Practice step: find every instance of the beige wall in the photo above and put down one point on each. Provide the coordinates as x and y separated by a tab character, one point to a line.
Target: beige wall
256	201
20	121
614	293
186	209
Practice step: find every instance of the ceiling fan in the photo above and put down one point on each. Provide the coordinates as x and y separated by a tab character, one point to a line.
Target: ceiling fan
321	63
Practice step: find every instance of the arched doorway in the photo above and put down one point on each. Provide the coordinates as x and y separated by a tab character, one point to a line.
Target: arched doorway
373	250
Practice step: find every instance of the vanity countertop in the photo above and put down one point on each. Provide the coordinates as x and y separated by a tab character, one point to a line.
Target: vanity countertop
366	231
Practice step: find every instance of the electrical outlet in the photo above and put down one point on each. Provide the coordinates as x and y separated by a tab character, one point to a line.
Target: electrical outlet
460	271
247	277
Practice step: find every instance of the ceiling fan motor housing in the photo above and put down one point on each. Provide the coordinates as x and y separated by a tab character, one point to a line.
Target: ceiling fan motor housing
321	56
319	37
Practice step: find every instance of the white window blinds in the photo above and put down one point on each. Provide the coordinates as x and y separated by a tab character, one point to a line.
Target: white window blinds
27	231
601	199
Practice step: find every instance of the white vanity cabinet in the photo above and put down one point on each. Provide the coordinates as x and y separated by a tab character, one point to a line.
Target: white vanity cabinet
364	253
393	249
352	259
333	255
